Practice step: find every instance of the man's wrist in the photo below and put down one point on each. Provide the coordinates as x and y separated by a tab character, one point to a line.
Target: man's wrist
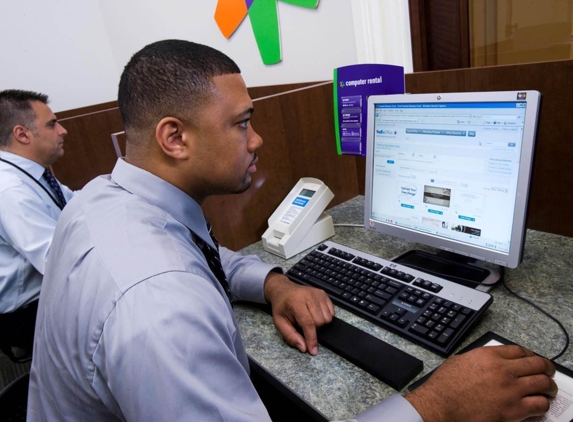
428	407
275	282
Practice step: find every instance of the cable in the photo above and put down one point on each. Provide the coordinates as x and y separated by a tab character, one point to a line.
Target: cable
502	270
348	225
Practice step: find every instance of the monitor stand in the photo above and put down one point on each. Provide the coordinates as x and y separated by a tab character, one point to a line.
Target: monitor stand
451	266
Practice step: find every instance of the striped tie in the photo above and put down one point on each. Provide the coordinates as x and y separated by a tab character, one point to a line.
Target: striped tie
53	183
214	260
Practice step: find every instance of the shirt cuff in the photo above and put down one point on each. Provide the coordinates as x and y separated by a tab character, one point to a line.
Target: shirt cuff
394	408
250	282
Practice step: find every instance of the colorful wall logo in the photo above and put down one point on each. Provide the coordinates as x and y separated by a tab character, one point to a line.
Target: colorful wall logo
264	18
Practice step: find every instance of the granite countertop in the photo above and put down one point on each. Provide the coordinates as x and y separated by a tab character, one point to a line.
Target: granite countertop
340	390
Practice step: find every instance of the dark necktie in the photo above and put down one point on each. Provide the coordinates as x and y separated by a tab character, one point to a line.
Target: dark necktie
214	260
53	183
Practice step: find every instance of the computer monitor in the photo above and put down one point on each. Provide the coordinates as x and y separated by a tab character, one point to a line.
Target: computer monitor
452	171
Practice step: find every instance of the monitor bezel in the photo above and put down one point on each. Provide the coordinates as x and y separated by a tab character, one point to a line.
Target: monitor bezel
510	259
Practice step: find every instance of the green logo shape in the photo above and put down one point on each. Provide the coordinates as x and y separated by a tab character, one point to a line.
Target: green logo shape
264	19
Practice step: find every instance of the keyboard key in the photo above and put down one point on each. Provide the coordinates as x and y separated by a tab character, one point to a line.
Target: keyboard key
459	320
419	329
446	336
408	278
372	308
375	299
435	288
391	290
394	284
383	295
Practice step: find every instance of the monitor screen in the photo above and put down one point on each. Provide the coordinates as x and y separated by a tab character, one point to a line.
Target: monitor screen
452	170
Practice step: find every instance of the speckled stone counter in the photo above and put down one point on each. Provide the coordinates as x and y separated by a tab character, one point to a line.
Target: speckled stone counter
340	390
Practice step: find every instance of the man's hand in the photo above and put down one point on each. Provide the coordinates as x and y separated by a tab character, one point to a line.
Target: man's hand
293	304
496	383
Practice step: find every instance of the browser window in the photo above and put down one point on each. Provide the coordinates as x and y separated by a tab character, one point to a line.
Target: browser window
449	170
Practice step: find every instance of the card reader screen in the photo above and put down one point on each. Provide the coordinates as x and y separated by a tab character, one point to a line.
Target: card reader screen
307	192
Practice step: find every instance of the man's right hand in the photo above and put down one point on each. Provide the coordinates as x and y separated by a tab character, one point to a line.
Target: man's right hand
494	383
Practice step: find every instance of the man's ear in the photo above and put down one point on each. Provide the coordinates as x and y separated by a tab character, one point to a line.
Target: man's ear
21	134
171	138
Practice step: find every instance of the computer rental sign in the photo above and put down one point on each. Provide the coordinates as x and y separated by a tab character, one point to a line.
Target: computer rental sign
352	86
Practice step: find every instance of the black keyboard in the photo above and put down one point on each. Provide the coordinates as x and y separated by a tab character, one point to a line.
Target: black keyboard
430	311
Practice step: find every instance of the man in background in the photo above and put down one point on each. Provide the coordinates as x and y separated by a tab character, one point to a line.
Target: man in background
136	320
31	200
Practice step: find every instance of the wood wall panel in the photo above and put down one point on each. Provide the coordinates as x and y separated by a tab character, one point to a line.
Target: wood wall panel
418	35
550	200
88	148
440	34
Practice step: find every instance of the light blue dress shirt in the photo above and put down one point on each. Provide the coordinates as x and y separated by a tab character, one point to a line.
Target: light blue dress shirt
28	218
132	324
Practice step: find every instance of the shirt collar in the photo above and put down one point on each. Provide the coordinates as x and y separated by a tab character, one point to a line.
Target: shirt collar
35	169
163	195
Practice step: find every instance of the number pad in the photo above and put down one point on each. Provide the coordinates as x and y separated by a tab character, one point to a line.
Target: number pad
439	322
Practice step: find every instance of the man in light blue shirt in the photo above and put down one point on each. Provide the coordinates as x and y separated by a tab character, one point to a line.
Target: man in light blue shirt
135	320
31	140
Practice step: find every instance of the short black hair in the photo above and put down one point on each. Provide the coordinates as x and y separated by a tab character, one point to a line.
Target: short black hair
16	109
168	78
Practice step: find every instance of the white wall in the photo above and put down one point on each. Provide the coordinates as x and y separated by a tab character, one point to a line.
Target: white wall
58	47
75	50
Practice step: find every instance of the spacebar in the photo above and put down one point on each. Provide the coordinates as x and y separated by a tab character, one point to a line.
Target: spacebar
324	285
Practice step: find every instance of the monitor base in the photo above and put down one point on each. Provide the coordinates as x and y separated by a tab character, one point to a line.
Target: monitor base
457	268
